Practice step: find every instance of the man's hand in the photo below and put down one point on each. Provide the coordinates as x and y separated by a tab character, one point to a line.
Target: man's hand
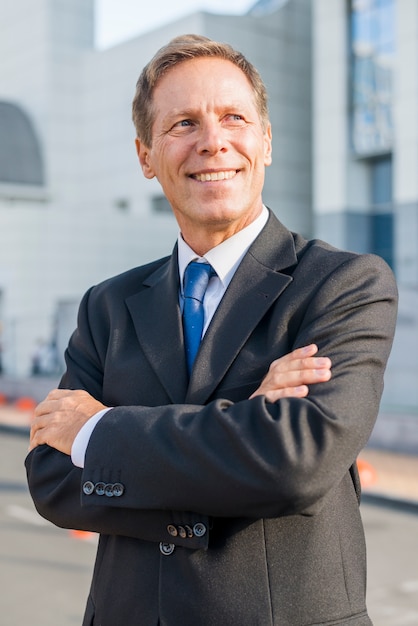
59	418
289	376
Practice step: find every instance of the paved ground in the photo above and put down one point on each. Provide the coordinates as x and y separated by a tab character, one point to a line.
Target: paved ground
393	475
45	572
392	549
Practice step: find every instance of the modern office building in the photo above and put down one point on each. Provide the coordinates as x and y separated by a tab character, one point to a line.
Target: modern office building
365	153
74	206
342	76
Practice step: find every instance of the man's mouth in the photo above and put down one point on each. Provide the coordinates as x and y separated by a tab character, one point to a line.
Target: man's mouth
213	176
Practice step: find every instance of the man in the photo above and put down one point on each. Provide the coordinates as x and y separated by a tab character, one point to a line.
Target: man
223	495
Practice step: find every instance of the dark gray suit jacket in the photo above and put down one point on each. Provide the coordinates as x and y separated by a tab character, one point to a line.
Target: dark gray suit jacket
253	502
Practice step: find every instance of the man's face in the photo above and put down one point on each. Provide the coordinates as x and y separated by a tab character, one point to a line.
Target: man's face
209	149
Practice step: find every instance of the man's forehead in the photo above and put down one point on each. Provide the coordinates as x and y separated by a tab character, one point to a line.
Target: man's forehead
188	67
219	74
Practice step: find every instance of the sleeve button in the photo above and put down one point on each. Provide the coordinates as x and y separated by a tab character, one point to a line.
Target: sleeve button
100	489
108	490
172	530
167	548
182	532
199	529
88	488
118	490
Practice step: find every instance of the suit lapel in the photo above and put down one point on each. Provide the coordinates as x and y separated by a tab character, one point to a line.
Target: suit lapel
156	316
260	279
258	282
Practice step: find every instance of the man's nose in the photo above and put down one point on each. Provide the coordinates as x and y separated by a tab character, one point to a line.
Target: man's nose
212	139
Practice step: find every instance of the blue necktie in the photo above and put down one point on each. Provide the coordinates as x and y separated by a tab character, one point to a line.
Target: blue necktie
196	279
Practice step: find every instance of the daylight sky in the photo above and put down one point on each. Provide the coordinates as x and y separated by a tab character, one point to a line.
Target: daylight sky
118	20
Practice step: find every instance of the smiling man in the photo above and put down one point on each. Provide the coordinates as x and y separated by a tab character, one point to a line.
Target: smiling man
209	150
198	428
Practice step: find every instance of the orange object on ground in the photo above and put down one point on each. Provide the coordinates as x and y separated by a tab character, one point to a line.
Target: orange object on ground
84	535
25	404
368	475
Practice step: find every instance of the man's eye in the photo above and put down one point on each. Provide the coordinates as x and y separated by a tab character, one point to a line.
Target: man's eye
178	127
234	117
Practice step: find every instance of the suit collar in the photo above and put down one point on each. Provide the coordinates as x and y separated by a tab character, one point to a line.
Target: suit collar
227	255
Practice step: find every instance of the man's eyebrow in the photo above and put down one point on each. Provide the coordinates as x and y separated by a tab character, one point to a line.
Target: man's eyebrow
192	111
186	112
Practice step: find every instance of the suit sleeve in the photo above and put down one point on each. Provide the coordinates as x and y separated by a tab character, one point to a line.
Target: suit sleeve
56	485
254	458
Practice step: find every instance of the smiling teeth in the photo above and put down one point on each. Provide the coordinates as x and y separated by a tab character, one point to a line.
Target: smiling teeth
215	176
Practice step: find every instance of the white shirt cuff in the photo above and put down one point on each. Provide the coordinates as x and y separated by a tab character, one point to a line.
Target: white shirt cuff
80	443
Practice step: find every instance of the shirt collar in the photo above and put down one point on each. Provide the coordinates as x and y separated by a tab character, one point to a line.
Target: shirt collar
225	257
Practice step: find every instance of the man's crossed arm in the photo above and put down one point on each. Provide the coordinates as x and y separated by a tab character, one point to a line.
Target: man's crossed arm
63	413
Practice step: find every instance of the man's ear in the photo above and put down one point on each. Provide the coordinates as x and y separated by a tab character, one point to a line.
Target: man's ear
267	146
144	158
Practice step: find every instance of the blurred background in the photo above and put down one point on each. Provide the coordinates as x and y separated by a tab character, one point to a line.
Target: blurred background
342	77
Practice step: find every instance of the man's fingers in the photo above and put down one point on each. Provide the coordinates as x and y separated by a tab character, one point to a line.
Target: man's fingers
300	391
65	400
49	404
300	353
298	361
289	375
43	408
35	438
37	432
60	416
300	372
53	429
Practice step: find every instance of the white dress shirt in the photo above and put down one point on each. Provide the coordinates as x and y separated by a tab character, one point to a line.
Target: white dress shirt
225	259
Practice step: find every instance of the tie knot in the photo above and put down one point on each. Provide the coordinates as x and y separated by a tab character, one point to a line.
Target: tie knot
196	279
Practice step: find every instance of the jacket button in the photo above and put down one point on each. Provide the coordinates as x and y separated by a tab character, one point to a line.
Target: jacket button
100	489
189	531
88	488
118	490
182	532
199	529
167	548
108	490
172	530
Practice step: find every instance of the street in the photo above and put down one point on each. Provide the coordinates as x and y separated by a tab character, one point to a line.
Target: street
392	542
45	571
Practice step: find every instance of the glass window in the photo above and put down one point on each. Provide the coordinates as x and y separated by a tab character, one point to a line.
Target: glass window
382	207
381	181
372	52
382	236
160	204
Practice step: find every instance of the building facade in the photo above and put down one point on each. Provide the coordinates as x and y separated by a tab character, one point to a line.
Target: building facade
77	208
365	153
